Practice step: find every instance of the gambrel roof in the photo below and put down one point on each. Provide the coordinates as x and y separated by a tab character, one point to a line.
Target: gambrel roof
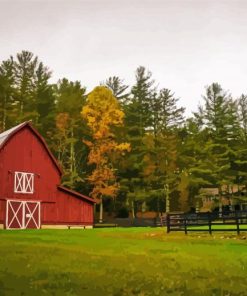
8	134
5	135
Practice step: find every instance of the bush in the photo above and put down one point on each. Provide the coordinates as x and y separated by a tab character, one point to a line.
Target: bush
123	213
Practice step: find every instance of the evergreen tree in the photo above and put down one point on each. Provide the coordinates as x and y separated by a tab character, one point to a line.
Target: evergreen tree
241	145
25	66
137	122
26	94
70	99
45	102
242	115
118	88
7	94
167	118
220	123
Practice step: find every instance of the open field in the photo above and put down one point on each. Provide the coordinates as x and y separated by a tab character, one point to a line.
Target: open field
118	261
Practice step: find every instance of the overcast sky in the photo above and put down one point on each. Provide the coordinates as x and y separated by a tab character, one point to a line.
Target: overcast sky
185	44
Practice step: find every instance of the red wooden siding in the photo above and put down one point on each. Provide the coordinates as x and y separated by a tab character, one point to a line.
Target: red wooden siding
26	152
79	211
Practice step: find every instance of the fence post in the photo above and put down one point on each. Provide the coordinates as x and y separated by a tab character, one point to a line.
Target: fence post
185	224
237	223
209	224
167	223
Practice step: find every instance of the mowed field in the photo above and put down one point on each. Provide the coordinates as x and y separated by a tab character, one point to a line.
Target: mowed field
118	261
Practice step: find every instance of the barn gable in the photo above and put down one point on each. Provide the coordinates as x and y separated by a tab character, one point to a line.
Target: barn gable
7	135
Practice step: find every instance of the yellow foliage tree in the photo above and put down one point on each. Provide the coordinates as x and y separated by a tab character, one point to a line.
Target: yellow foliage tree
102	113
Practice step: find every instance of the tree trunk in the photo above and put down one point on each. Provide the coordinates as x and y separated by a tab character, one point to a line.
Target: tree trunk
4	114
101	211
158	207
167	198
132	209
72	157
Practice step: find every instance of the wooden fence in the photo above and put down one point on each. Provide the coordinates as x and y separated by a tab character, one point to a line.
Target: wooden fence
129	222
231	221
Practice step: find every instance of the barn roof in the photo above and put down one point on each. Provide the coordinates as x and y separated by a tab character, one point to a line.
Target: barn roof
76	194
8	134
4	136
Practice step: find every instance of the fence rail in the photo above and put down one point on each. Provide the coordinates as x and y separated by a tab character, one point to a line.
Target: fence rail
206	222
129	222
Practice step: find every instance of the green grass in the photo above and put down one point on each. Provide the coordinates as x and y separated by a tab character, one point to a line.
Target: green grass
118	261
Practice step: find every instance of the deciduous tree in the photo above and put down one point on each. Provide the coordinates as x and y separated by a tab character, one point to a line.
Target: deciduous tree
102	113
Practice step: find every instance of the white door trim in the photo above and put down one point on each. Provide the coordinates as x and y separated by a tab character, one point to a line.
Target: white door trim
26	213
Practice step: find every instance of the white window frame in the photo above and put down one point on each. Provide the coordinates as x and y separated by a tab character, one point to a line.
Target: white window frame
24	183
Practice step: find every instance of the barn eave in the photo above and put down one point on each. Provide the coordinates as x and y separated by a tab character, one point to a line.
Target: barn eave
76	194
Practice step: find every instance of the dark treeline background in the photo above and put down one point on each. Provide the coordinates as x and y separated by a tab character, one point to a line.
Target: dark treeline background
172	156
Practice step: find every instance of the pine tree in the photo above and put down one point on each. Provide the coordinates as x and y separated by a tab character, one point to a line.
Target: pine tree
118	88
70	99
221	127
241	161
25	91
137	122
167	117
43	94
242	114
25	66
7	94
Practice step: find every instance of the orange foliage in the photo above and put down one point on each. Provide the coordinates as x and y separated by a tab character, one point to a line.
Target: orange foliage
102	112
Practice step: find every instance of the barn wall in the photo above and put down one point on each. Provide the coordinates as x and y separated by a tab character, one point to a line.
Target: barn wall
24	152
2	211
72	210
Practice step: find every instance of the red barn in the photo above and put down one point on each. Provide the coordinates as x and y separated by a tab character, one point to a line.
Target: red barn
31	194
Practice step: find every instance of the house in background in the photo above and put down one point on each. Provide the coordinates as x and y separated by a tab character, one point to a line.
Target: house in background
231	198
31	194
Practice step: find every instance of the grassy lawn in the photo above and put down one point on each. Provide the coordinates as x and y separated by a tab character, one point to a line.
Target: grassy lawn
122	261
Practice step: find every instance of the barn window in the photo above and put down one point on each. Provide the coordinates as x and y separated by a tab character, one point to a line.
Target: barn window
23	182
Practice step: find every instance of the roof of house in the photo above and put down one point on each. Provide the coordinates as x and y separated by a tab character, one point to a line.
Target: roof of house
209	191
8	134
76	194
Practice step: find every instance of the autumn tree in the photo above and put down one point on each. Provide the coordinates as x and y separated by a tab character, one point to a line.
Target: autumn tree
102	114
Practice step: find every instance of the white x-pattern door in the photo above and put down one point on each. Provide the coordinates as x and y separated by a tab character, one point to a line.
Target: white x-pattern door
24	182
22	214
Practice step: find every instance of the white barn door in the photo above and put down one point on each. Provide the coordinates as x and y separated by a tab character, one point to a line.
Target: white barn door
22	214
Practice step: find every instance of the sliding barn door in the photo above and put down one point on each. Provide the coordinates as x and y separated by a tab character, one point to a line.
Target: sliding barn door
22	214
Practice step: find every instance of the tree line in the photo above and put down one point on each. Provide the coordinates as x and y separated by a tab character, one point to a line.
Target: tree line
168	157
